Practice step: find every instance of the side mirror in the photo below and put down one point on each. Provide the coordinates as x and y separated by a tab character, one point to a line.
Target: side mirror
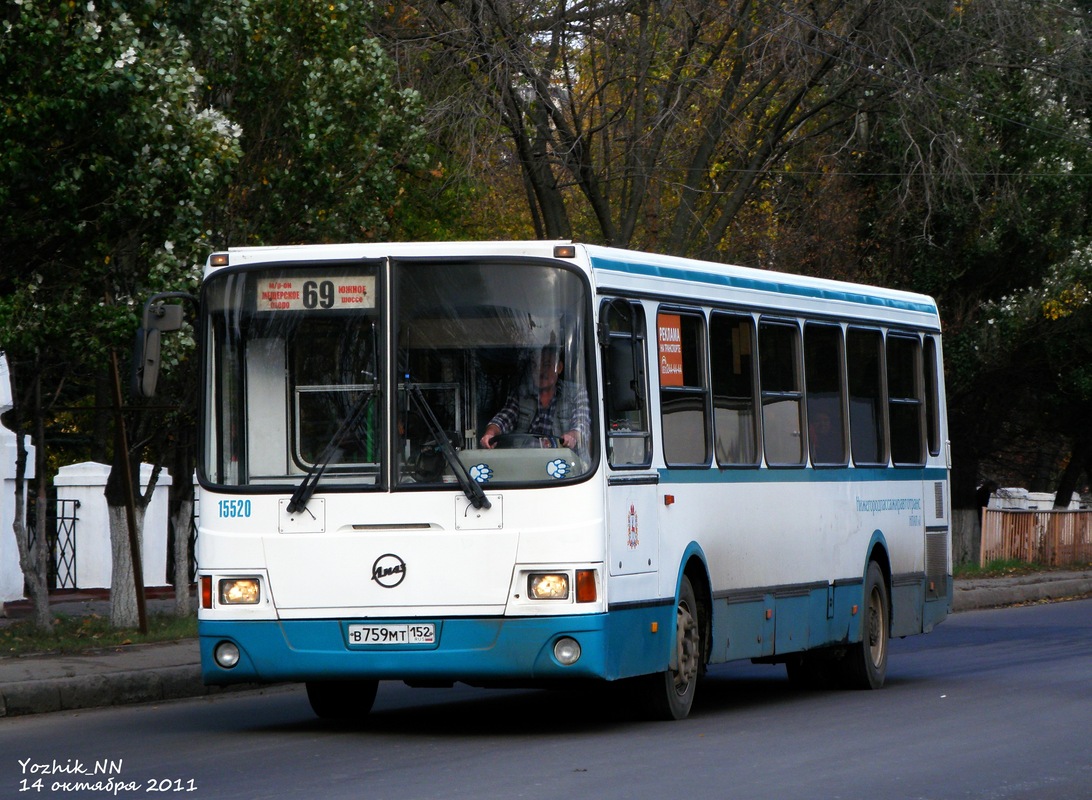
158	317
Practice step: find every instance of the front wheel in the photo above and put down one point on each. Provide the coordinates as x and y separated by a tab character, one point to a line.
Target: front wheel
342	701
671	693
866	661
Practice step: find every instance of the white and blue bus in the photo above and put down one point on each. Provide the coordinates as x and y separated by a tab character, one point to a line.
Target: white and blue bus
743	464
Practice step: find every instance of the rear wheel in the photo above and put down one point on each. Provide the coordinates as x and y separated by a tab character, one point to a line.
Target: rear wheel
866	661
342	701
671	693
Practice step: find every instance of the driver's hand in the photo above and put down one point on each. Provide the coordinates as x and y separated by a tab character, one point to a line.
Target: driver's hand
570	439
487	438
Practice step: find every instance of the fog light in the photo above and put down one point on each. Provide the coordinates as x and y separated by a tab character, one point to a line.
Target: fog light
567	651
226	654
240	591
548	586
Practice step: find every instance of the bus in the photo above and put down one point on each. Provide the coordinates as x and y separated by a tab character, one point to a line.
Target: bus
733	463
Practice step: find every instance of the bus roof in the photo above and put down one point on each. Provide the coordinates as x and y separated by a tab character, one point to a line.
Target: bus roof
651	274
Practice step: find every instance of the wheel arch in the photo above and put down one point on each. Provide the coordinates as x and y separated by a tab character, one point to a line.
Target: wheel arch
693	565
878	552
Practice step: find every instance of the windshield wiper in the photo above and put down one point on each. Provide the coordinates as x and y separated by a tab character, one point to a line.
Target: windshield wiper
471	488
307	486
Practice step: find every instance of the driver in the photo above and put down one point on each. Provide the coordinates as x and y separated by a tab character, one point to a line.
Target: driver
544	406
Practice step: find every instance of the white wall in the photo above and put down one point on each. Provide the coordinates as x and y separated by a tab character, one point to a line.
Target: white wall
86	482
11	576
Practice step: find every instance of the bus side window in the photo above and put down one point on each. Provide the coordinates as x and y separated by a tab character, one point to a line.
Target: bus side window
864	367
782	393
684	396
731	353
932	395
625	393
824	361
905	405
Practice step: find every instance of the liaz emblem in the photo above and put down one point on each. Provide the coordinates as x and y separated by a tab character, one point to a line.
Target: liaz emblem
631	532
389	570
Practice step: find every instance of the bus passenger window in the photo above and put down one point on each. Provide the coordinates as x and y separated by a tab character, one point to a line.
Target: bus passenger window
864	360
625	391
684	399
823	379
932	395
731	353
782	397
904	399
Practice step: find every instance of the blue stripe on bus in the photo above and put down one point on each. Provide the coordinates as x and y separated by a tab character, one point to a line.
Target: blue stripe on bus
776	287
801	475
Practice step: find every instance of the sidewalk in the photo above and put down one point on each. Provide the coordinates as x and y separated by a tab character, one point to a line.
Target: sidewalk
158	672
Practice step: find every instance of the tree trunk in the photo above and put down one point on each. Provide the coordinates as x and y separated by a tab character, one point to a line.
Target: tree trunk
181	519
33	559
43	616
1067	484
30	558
180	506
124	612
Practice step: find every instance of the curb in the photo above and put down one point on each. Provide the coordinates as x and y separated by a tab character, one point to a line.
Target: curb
976	597
93	691
130	687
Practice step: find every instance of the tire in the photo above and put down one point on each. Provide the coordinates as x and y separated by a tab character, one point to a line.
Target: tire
671	693
342	701
866	661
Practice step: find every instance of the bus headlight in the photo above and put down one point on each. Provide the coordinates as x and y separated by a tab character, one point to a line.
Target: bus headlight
548	586
240	591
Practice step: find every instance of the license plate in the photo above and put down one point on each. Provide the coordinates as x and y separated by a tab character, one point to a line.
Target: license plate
412	633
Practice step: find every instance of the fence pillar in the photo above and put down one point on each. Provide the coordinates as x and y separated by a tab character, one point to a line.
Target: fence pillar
966	536
86	483
11	574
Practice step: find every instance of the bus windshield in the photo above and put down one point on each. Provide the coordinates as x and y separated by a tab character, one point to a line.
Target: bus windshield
472	371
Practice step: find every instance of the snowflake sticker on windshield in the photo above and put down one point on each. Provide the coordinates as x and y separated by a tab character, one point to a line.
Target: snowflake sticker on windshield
558	468
481	473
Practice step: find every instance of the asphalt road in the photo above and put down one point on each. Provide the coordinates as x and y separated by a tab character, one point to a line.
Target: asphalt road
993	704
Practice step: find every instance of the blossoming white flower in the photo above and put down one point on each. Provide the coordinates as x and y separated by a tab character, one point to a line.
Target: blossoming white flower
128	57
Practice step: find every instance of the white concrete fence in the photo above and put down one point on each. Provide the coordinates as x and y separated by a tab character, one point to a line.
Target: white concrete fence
86	484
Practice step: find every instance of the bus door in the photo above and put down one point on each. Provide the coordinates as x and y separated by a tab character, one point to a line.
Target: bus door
632	491
634	538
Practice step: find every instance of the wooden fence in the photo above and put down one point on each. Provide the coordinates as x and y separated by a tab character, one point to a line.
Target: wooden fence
1054	538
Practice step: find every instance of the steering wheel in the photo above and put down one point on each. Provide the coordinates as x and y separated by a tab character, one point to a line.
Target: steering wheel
525	441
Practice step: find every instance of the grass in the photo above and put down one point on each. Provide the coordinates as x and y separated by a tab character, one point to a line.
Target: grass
1009	568
81	634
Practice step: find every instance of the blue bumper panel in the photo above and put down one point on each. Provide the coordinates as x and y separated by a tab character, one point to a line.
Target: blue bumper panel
467	649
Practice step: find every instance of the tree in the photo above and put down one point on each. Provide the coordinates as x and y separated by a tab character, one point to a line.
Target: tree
649	124
107	156
1048	408
325	133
